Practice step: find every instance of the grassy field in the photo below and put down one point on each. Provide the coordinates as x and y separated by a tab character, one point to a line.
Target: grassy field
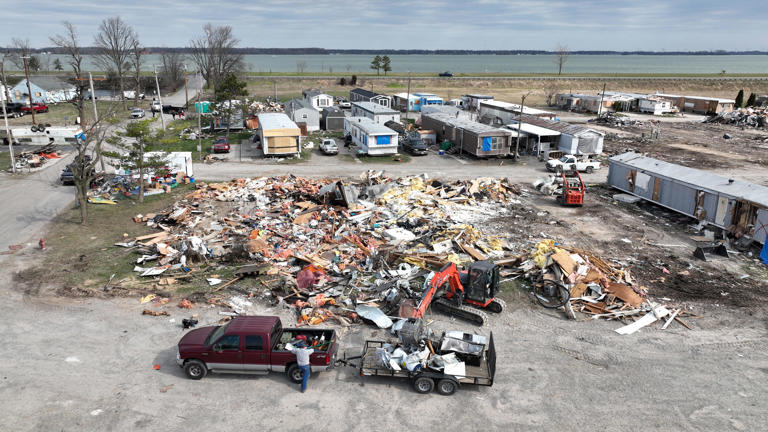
65	114
502	75
83	256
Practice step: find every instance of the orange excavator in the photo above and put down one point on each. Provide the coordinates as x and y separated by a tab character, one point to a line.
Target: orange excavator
476	287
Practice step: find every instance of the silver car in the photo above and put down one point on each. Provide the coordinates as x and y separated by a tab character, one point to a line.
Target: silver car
137	113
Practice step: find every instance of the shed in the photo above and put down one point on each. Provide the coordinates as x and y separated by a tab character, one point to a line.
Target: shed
734	205
472	137
372	138
332	119
45	89
301	111
378	113
279	134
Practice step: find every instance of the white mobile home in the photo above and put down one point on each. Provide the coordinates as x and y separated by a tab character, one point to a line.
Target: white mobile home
317	99
278	134
300	111
378	113
371	137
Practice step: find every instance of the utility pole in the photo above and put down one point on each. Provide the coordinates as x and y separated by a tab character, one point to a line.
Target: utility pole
408	98
95	116
600	107
29	89
6	97
519	127
159	98
186	92
8	135
199	116
274	88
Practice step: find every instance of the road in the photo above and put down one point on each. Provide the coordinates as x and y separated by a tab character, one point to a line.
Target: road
180	98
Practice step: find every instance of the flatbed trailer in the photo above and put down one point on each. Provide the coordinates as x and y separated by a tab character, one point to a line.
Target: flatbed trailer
425	380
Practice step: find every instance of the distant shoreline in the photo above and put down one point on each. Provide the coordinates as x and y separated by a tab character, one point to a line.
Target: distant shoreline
324	51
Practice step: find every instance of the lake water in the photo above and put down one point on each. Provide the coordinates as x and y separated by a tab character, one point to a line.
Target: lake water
640	64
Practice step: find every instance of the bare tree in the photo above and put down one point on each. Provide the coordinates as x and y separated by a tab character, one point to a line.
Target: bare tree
114	41
349	66
172	72
87	145
561	56
20	48
214	53
70	44
137	53
301	66
551	88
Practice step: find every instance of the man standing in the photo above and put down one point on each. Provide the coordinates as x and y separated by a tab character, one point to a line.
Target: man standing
302	358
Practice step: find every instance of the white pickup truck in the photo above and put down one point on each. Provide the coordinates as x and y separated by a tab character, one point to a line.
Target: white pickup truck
570	162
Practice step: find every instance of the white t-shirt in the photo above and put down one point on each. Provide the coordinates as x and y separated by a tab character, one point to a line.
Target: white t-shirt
302	355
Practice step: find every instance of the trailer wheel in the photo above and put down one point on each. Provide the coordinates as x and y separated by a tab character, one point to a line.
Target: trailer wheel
446	387
423	385
41	128
33	128
590	170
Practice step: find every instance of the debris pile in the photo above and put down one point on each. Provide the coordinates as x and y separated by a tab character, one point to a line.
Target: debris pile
329	249
752	117
613	119
593	286
267	106
36	158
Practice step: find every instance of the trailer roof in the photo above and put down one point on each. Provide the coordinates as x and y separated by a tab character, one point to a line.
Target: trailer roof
466	124
532	129
375	108
370	127
275	121
733	187
511	107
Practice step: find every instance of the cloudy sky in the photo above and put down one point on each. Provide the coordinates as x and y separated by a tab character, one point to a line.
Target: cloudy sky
424	24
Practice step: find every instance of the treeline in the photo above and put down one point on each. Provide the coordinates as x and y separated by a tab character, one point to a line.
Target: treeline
324	51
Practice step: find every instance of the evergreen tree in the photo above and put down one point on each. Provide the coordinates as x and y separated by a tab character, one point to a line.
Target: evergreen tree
386	64
752	100
57	65
34	64
132	155
740	99
228	90
376	64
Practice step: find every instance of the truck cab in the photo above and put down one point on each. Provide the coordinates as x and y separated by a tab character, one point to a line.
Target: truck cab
252	345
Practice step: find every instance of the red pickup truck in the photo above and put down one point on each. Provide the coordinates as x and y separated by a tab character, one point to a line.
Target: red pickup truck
255	345
36	107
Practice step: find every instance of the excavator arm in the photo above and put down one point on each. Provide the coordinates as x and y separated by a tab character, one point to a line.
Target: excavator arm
449	273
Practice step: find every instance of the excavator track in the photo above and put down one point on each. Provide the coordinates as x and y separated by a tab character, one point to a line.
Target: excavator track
464	312
496	306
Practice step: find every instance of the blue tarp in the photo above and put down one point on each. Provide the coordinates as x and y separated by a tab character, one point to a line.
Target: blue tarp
383	139
764	253
487	144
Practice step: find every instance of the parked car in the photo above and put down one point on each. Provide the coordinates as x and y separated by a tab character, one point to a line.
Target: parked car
253	344
155	106
414	145
67	176
344	104
221	145
445	74
571	162
137	113
329	147
36	107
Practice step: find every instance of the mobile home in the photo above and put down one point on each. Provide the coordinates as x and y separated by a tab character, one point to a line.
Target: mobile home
279	135
471	137
371	137
378	113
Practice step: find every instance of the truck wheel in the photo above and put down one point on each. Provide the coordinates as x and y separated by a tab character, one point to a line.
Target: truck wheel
446	387
195	369
294	373
590	170
423	385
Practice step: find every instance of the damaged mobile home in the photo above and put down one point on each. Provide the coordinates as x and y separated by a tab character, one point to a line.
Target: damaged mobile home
471	137
736	206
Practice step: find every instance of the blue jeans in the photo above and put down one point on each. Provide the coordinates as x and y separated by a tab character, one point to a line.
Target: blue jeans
304	376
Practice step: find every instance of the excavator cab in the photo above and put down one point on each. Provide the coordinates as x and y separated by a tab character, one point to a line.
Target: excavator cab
480	283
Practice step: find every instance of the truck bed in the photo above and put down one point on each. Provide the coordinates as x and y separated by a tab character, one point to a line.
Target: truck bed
479	375
290	333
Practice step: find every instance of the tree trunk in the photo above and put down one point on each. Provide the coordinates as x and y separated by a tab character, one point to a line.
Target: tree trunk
122	87
82	200
138	84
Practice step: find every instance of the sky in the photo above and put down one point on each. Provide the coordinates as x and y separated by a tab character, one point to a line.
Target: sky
654	25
